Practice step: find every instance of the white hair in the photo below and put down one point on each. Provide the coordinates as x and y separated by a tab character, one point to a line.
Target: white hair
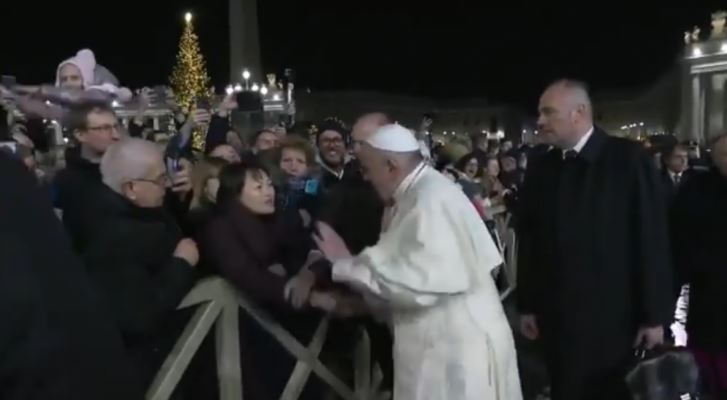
126	160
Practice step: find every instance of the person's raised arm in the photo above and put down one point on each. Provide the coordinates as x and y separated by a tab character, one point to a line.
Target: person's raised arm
236	264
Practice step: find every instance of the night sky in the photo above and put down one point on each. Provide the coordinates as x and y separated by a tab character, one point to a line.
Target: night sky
505	53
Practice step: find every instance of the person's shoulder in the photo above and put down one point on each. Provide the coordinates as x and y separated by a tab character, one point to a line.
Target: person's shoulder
435	189
698	179
626	147
110	238
695	189
216	219
217	224
62	176
619	143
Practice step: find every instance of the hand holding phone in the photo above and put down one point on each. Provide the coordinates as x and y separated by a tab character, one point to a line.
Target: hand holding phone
173	166
203	104
201	117
180	175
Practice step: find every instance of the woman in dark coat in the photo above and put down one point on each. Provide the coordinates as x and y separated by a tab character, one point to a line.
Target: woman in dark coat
267	259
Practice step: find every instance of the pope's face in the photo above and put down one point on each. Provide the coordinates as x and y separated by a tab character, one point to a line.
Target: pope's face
377	170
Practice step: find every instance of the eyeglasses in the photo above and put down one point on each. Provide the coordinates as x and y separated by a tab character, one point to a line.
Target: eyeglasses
104	128
331	141
161	181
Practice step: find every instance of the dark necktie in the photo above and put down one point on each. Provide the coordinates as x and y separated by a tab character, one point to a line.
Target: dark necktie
570	155
677	179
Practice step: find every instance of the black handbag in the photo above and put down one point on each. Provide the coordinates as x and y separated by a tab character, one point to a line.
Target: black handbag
664	374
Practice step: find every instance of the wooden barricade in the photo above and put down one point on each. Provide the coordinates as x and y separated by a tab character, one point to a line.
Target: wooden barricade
218	305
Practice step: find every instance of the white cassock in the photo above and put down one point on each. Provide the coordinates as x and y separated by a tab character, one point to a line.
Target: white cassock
432	268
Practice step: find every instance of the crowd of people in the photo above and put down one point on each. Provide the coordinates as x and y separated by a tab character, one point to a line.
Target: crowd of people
359	223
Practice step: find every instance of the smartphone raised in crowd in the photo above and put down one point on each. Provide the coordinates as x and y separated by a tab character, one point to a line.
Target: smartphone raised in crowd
203	104
173	165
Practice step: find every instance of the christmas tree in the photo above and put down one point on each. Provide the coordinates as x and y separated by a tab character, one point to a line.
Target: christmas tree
189	77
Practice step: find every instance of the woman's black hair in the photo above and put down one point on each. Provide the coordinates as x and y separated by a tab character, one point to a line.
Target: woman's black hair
232	181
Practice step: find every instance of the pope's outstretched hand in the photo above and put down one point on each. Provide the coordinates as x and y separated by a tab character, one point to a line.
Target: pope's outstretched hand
330	243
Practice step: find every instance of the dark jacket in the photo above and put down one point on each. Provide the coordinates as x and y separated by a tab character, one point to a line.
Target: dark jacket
71	189
241	246
130	258
480	155
354	210
593	261
57	340
670	187
330	180
700	244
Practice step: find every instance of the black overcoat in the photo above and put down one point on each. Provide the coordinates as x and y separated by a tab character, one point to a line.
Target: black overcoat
594	260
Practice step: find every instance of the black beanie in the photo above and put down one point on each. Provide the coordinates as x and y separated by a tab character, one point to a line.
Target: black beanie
331	124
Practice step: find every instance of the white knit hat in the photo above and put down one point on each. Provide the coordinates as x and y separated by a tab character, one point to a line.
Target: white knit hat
85	61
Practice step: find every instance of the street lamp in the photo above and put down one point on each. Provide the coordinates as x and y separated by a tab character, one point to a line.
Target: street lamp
238	88
188	17
255	87
263	90
229	90
246	77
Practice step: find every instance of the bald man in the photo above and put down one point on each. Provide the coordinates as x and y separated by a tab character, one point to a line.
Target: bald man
365	126
136	255
594	278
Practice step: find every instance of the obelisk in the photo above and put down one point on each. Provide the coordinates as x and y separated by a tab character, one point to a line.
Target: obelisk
244	40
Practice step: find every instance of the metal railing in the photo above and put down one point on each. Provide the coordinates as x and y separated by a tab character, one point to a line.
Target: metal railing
508	247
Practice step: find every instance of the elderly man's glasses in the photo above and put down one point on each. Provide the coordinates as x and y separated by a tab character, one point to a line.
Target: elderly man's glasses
163	180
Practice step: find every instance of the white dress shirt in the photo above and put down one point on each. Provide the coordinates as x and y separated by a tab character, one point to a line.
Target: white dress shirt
581	143
676	178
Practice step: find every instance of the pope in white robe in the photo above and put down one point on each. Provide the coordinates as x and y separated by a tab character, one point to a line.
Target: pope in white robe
432	270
